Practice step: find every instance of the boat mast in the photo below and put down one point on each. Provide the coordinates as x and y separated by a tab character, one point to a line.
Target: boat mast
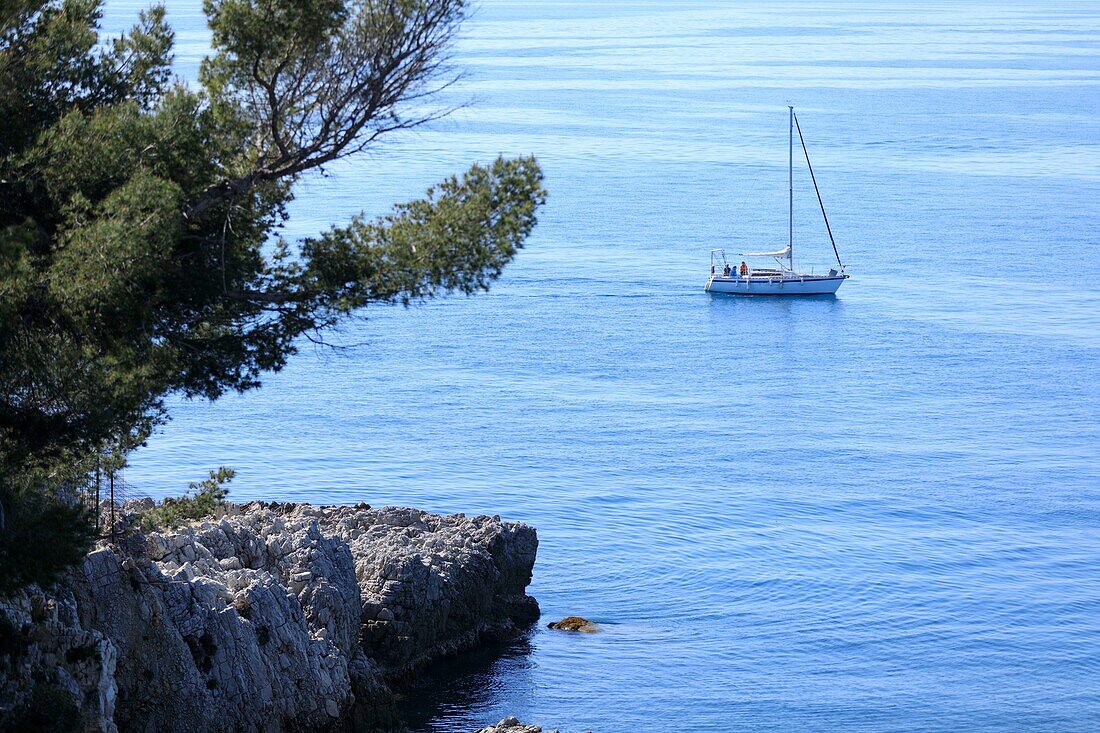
790	192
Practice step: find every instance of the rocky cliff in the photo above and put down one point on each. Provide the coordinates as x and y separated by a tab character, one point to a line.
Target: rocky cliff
269	618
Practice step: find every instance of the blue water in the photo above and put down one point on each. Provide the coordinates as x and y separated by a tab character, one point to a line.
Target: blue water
879	511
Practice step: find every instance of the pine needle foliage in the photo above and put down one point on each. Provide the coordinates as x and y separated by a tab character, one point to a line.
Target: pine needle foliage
201	501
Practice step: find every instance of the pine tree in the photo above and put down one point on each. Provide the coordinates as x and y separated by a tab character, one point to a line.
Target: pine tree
139	255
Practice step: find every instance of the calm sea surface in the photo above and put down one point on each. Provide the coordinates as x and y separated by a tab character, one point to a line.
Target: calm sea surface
879	511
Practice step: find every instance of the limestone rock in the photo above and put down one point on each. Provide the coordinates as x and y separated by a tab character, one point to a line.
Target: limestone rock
432	585
511	725
277	617
43	646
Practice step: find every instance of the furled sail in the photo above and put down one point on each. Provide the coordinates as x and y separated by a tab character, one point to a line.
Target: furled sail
785	252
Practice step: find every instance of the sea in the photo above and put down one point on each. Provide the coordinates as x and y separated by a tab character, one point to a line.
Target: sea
878	511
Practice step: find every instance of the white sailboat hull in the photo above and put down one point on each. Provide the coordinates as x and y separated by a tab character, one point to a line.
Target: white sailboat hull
788	284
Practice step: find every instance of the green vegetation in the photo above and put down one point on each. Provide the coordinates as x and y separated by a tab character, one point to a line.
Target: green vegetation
42	537
140	254
209	494
48	709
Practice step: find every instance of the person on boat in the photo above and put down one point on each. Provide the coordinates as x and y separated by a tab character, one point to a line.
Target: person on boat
726	270
744	269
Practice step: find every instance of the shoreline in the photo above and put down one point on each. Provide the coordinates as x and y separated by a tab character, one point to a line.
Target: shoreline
268	617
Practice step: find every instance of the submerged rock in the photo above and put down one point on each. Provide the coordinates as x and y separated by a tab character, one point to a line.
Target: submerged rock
273	618
575	623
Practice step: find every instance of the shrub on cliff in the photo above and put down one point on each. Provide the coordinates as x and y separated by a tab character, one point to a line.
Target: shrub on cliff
209	494
47	709
139	217
43	537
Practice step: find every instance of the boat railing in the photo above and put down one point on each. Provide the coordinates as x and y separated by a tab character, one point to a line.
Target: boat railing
765	273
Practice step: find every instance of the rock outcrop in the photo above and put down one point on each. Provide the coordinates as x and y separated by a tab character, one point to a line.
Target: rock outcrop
42	642
574	623
511	725
272	617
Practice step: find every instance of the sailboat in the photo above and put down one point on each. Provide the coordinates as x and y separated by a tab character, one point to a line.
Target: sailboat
782	279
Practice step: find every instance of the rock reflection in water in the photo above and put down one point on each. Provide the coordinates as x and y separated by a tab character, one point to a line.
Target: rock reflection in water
475	689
